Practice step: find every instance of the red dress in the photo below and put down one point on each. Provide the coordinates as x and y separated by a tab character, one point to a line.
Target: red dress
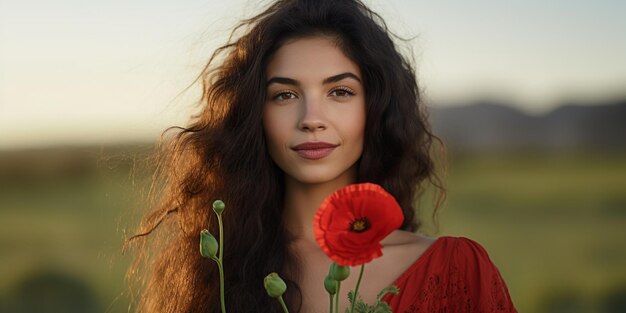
454	274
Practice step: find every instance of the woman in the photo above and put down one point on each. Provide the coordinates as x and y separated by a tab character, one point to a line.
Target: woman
313	96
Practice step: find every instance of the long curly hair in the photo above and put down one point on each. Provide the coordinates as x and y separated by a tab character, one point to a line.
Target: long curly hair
222	154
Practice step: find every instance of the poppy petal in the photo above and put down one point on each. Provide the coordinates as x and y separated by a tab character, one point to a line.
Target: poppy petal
352	221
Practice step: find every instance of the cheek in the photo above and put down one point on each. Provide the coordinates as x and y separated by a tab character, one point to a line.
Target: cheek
355	127
272	128
358	136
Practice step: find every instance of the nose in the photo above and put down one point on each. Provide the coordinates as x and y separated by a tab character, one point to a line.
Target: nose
312	118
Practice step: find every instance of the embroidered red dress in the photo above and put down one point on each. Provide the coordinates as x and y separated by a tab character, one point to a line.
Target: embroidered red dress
454	274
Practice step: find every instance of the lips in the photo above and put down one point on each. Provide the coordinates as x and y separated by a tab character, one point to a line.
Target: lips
314	150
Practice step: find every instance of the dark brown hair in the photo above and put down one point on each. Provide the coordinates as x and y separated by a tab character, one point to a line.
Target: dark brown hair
222	154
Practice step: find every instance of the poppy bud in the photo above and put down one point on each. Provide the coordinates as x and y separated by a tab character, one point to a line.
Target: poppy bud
274	285
338	272
208	244
218	206
330	284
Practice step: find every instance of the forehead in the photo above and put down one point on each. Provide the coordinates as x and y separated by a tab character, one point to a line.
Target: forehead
313	57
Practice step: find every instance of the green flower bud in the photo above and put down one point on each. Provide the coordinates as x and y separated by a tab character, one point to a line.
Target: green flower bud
330	284
208	244
218	206
338	272
274	285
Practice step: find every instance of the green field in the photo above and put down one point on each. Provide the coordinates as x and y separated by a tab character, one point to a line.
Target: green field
553	222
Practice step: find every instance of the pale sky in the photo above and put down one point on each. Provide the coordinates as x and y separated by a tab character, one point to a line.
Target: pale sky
77	71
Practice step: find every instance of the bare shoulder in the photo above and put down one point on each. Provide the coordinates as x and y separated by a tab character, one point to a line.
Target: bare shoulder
400	250
405	239
403	248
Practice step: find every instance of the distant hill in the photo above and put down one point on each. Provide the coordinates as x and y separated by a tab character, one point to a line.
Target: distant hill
490	125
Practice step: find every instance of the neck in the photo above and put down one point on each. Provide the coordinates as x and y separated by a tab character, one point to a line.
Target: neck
302	201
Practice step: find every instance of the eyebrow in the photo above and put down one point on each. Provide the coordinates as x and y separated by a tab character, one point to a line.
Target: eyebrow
328	80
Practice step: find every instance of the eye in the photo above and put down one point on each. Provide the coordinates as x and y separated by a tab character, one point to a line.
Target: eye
284	95
342	92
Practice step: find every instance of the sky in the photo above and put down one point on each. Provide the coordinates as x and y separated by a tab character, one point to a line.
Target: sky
79	71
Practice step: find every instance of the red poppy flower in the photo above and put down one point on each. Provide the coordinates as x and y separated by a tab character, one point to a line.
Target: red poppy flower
352	221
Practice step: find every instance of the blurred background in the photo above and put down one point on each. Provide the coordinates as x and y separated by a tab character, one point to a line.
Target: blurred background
529	97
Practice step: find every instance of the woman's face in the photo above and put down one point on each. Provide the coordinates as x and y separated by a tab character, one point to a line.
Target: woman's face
314	114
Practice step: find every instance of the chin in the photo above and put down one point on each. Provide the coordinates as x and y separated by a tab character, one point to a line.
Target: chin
322	177
314	180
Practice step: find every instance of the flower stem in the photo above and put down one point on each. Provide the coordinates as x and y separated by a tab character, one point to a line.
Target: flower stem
356	290
219	263
331	303
221	269
221	249
282	304
337	297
